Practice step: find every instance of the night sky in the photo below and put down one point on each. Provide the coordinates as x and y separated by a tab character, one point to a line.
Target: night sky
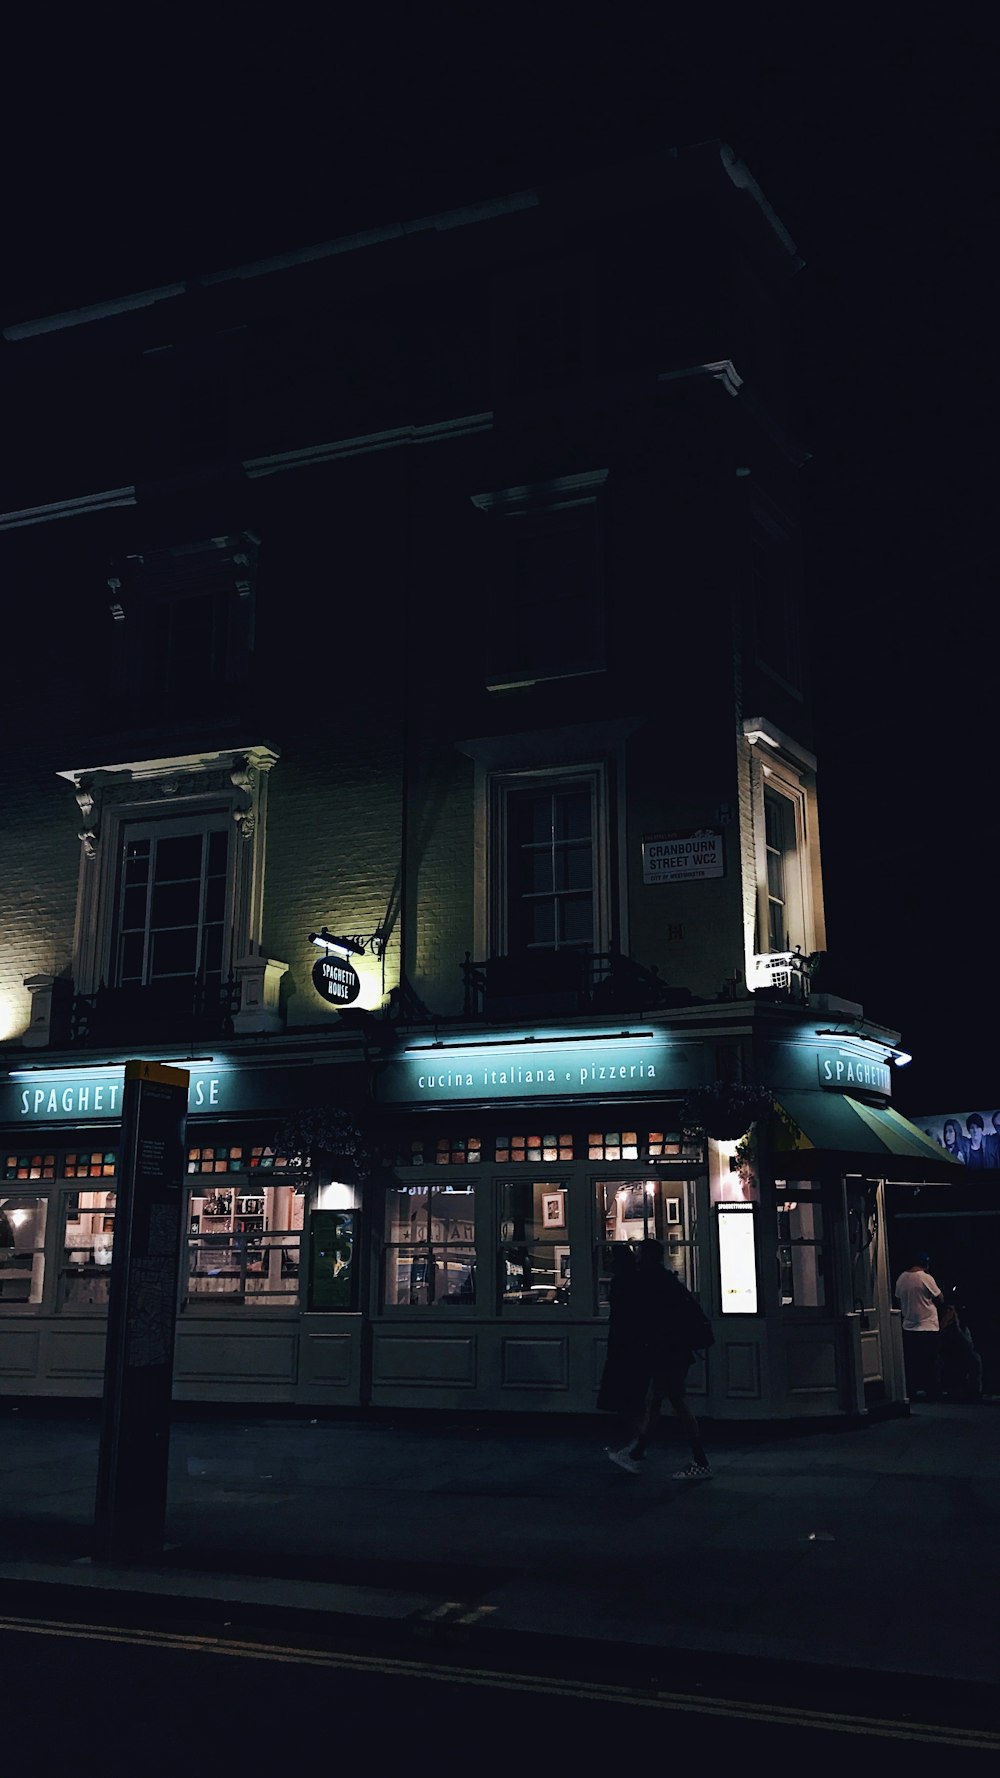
144	160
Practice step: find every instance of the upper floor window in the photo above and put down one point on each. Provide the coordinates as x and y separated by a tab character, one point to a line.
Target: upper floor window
779	843
789	911
544	325
183	629
550	863
171	884
774	590
544	552
550	867
173	902
187	642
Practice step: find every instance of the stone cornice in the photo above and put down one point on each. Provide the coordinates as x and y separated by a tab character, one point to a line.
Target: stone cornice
361	445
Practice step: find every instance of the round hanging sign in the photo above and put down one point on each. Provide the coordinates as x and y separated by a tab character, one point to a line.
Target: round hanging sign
336	981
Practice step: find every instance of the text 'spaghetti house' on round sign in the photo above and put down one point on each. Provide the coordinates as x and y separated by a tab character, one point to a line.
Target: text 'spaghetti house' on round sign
336	981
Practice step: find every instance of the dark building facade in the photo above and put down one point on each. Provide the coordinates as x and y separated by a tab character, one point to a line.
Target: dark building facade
411	737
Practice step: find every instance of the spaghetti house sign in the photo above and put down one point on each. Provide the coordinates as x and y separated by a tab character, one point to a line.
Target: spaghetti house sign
45	1097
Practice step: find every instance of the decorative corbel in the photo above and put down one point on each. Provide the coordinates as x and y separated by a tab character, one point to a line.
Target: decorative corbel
244	777
87	806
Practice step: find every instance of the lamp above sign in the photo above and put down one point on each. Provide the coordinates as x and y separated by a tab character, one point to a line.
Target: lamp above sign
336	981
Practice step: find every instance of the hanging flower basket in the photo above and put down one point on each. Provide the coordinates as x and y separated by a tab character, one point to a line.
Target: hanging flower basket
324	1132
726	1109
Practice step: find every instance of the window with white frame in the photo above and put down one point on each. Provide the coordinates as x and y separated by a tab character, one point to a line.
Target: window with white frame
783	889
173	902
549	856
172	870
789	910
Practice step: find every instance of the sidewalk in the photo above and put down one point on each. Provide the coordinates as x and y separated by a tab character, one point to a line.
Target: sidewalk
870	1549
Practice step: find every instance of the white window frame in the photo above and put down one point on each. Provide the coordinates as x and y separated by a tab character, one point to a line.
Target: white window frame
781	766
550	752
162	827
501	786
190	789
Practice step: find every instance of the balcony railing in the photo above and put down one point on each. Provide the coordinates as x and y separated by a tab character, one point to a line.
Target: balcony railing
539	983
162	1012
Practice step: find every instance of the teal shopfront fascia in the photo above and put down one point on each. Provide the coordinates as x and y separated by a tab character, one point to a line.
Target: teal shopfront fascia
470	1269
520	1158
273	1279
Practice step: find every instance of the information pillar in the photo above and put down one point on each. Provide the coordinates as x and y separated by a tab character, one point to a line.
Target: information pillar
142	1312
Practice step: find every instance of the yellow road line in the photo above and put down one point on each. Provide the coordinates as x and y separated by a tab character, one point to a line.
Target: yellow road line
941	1735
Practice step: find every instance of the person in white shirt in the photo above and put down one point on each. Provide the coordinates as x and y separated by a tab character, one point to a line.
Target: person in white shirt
920	1299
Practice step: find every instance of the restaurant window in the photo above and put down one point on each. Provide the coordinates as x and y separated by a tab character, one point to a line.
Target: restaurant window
333	1273
802	1253
90	1163
29	1166
430	1247
440	1151
540	1145
634	1210
534	1243
23	1217
244	1235
88	1245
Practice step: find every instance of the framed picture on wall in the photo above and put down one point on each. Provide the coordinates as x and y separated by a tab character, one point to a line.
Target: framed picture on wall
673	1209
554	1210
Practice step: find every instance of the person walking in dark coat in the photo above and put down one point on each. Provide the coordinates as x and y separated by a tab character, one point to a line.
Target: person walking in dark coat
654	1334
622	1391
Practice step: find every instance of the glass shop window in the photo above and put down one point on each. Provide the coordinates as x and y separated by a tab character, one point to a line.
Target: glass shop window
550	1145
430	1247
88	1242
90	1164
801	1248
332	1270
634	1210
534	1243
22	1247
29	1166
244	1237
441	1151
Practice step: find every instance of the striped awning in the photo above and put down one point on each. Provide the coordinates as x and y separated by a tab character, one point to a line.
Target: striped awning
815	1127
